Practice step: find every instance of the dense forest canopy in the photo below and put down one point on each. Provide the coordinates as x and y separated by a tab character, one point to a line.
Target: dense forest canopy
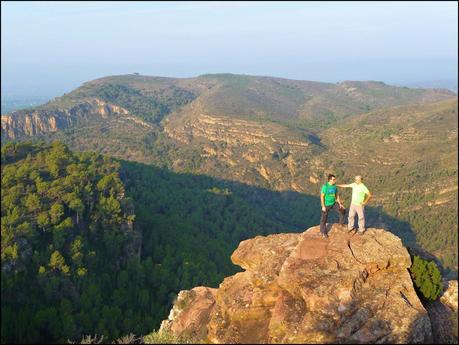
91	245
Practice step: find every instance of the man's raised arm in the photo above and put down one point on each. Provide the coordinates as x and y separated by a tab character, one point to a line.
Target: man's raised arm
344	185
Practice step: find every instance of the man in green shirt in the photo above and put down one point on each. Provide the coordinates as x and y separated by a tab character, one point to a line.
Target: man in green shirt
328	198
360	196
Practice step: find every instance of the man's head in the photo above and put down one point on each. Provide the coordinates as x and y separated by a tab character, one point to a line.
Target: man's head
331	179
358	179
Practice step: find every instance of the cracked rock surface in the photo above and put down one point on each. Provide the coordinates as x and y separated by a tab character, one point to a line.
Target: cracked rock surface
302	288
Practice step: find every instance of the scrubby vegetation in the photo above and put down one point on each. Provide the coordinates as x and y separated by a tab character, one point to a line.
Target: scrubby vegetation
426	278
163	337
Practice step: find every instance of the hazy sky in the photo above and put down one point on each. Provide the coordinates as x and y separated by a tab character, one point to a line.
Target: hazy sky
51	48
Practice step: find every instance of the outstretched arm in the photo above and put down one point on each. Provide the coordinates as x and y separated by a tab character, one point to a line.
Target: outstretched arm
344	185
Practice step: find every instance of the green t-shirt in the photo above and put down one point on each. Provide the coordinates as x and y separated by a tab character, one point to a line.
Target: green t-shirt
358	193
330	193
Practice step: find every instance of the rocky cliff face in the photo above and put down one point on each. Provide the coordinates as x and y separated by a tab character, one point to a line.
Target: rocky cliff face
264	153
443	315
23	123
301	288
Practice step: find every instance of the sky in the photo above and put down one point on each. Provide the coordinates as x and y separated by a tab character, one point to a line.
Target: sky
48	48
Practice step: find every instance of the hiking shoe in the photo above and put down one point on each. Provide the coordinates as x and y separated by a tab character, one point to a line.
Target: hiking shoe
324	235
360	232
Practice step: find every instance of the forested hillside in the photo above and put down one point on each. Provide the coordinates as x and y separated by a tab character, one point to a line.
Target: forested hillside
74	260
66	226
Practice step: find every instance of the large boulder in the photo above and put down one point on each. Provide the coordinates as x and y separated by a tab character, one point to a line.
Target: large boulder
302	288
190	313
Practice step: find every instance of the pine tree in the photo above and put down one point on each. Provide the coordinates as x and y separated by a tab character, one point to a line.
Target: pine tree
57	262
427	278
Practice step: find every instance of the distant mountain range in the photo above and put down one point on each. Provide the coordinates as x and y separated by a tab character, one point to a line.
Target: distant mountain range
450	84
278	134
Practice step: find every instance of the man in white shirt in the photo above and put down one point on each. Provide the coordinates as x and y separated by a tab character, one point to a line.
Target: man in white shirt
360	196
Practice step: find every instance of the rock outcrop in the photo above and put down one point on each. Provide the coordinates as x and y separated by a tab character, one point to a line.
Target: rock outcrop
449	297
301	288
443	315
27	123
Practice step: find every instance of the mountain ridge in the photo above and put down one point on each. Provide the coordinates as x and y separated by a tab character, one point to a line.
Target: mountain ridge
261	92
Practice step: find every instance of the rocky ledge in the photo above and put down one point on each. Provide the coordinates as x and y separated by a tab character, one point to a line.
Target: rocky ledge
301	288
449	296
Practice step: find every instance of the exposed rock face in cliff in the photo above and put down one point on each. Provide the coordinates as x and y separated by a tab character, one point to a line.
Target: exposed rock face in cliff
24	123
301	288
270	153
